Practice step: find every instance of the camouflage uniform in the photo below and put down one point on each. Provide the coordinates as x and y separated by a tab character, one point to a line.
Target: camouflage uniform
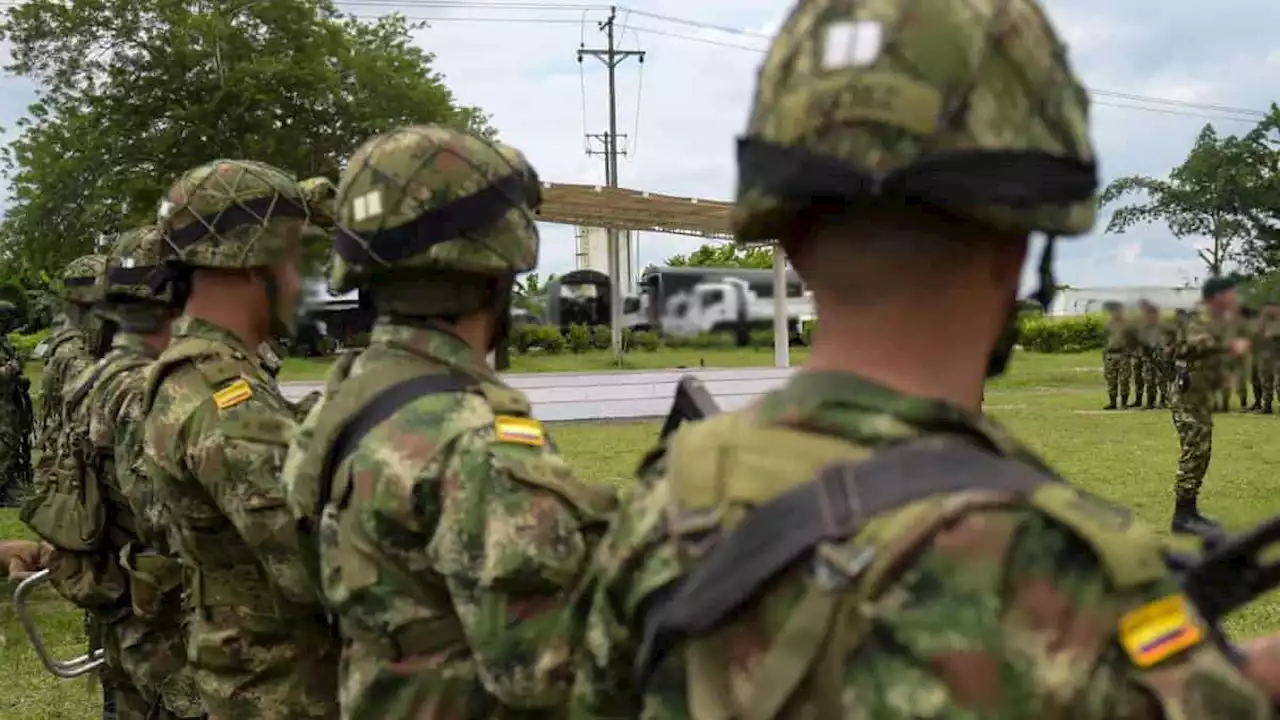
16	418
968	603
447	533
1266	355
1137	360
1201	353
216	432
148	642
1117	355
1151	343
70	347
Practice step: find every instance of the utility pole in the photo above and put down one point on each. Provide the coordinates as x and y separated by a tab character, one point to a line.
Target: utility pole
612	58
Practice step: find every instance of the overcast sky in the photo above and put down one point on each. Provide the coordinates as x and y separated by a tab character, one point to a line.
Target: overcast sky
684	107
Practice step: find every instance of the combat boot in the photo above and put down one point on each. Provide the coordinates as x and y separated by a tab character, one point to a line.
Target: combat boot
1188	521
1111	405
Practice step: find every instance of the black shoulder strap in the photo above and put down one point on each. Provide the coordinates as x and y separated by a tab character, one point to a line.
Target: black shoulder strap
373	413
834	506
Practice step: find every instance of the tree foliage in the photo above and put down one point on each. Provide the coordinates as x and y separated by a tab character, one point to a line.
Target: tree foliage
725	255
1224	191
134	92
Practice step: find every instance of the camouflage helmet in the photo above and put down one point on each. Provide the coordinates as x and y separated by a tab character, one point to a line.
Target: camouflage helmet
319	193
429	200
969	108
231	214
132	265
82	279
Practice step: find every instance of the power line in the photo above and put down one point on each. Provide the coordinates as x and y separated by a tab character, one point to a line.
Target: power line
1172	107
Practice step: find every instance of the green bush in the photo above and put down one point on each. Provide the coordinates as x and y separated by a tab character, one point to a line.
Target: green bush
579	339
601	337
645	340
1062	334
25	344
761	339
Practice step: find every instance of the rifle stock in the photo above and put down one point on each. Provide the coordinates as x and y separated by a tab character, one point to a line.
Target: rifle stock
692	403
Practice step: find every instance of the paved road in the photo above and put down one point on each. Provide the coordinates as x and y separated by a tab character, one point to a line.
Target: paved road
622	394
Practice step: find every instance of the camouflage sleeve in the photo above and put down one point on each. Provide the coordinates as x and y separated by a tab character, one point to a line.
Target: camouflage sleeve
630	563
511	546
237	455
1008	614
1199	341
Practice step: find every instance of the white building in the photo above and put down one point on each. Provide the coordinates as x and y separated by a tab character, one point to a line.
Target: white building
1082	301
593	254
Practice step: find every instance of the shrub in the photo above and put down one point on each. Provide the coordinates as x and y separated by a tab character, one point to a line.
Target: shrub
579	338
645	340
806	332
25	344
601	337
1063	334
761	339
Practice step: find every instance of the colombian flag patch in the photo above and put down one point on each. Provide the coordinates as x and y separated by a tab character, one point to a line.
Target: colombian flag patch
233	394
1159	630
525	431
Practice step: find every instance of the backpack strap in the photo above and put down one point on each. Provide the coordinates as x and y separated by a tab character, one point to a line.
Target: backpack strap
376	411
832	507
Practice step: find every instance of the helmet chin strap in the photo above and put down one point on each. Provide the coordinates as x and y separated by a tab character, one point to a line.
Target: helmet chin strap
998	360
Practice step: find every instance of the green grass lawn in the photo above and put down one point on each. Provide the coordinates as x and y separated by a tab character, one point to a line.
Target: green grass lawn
1053	402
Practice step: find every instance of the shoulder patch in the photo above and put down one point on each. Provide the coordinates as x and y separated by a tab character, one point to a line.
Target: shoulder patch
525	431
1157	631
233	394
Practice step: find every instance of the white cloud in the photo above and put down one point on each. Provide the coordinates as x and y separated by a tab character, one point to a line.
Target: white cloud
695	94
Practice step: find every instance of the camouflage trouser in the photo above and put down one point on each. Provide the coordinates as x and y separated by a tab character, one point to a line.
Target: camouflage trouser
153	658
1152	382
1138	369
1266	381
1195	436
1116	369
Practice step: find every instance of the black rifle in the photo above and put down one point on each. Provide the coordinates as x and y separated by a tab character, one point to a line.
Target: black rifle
692	403
1232	572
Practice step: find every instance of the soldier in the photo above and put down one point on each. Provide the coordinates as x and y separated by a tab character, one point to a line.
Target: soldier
1137	355
906	581
71	347
1117	355
447	531
1151	340
216	432
1203	349
16	416
1266	353
120	577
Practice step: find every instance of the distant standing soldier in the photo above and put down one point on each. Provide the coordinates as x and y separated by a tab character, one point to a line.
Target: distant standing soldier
216	431
16	418
1266	353
1116	365
1137	356
1203	349
1151	343
447	532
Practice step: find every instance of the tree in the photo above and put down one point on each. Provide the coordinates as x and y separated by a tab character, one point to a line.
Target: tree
1214	193
725	255
134	92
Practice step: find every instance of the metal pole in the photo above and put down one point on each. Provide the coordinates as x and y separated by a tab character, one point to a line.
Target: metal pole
781	318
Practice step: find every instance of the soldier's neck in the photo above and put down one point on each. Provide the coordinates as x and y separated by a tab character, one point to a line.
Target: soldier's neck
234	317
926	360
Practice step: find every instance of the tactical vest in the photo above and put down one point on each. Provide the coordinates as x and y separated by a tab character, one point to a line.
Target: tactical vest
351	407
51	380
750	504
77	507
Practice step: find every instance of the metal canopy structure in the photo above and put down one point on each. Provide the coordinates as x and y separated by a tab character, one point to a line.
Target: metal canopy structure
625	209
616	208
